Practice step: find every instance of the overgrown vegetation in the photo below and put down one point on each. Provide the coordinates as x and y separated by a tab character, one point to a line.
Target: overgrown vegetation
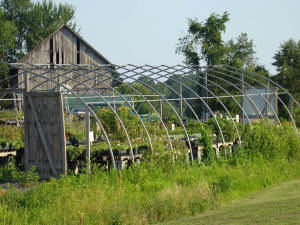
158	189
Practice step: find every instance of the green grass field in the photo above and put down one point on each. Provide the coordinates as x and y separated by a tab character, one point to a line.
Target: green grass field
278	204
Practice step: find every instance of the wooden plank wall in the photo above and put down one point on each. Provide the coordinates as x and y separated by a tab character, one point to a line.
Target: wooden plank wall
65	47
48	108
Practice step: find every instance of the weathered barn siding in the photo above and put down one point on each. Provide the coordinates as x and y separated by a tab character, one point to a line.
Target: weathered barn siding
61	47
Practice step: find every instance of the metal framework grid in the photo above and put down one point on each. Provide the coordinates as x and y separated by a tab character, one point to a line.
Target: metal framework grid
222	78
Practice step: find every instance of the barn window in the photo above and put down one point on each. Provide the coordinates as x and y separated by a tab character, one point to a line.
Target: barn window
62	58
78	51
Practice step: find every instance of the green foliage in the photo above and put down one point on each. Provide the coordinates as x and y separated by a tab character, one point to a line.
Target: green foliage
7	35
208	36
287	62
7	114
272	142
204	44
12	174
30	22
240	54
75	129
12	136
227	127
146	194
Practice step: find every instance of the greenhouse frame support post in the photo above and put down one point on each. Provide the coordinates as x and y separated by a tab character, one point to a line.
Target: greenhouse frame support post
181	99
242	100
26	147
87	138
161	108
291	105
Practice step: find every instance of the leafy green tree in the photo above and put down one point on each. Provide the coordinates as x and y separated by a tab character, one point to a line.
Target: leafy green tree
7	36
34	21
204	45
204	40
287	62
239	54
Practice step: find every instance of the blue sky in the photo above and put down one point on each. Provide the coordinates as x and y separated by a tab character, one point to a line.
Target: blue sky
146	32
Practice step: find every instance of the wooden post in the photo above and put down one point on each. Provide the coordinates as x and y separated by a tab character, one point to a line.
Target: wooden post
62	134
87	140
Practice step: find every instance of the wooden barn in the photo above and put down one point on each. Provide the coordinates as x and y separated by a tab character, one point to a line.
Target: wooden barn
57	53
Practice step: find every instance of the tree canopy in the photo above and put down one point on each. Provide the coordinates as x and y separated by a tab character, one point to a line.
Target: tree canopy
7	35
287	63
204	44
31	22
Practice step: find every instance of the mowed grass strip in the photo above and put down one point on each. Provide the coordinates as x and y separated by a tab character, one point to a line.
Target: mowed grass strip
279	204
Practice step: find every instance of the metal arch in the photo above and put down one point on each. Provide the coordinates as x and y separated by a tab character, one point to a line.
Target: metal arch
102	82
209	107
244	94
255	91
223	89
251	101
87	107
277	85
124	128
100	74
156	79
154	73
139	92
137	73
182	76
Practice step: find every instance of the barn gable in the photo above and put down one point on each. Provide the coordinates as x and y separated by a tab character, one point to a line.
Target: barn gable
64	46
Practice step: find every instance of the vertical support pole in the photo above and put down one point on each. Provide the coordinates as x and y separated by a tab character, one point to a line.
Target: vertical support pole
267	100
87	140
161	108
291	106
242	98
26	132
181	99
114	99
276	100
204	94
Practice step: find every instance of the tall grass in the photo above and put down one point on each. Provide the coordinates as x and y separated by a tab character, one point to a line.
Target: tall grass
158	190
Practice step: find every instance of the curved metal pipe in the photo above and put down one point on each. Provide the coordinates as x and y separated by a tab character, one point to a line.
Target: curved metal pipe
156	79
254	90
277	85
87	107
